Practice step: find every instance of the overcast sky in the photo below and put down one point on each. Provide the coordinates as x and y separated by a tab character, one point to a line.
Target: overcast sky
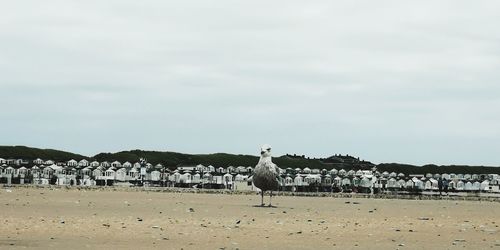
389	81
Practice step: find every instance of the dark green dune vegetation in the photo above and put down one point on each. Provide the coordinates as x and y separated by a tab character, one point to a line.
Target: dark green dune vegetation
27	153
174	159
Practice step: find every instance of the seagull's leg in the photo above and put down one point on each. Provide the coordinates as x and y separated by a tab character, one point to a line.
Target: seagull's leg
262	198
270	196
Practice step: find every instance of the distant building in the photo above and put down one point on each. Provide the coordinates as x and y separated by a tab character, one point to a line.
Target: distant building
38	161
83	163
116	164
72	163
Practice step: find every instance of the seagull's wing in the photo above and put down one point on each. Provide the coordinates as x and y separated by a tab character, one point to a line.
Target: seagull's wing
276	171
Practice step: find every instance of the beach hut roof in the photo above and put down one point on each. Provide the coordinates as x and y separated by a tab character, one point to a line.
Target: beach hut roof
55	167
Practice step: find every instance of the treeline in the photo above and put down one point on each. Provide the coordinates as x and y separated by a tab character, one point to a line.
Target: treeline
173	159
27	153
435	169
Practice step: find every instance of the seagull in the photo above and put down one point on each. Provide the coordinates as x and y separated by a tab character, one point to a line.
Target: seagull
266	174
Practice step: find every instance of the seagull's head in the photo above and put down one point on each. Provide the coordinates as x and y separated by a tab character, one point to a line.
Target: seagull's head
265	150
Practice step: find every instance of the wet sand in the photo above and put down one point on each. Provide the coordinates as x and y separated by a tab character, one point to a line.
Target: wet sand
105	219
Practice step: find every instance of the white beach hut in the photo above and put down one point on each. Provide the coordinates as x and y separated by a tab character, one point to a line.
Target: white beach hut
485	185
185	178
83	163
337	181
346	182
196	178
468	186
116	164
476	186
351	173
175	177
207	178
312	178
110	174
155	175
431	184
72	163
298	180
392	183
240	177
121	174
134	174
365	182
97	173
288	181
402	183
227	179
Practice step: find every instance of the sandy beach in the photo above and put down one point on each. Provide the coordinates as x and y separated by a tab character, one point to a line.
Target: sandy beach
105	219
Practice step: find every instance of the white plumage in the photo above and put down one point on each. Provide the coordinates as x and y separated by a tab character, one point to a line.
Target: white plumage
266	174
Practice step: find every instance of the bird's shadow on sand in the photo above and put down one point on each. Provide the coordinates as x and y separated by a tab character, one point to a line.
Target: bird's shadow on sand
265	206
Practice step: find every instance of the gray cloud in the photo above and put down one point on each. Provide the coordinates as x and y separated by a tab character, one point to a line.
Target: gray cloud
388	81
